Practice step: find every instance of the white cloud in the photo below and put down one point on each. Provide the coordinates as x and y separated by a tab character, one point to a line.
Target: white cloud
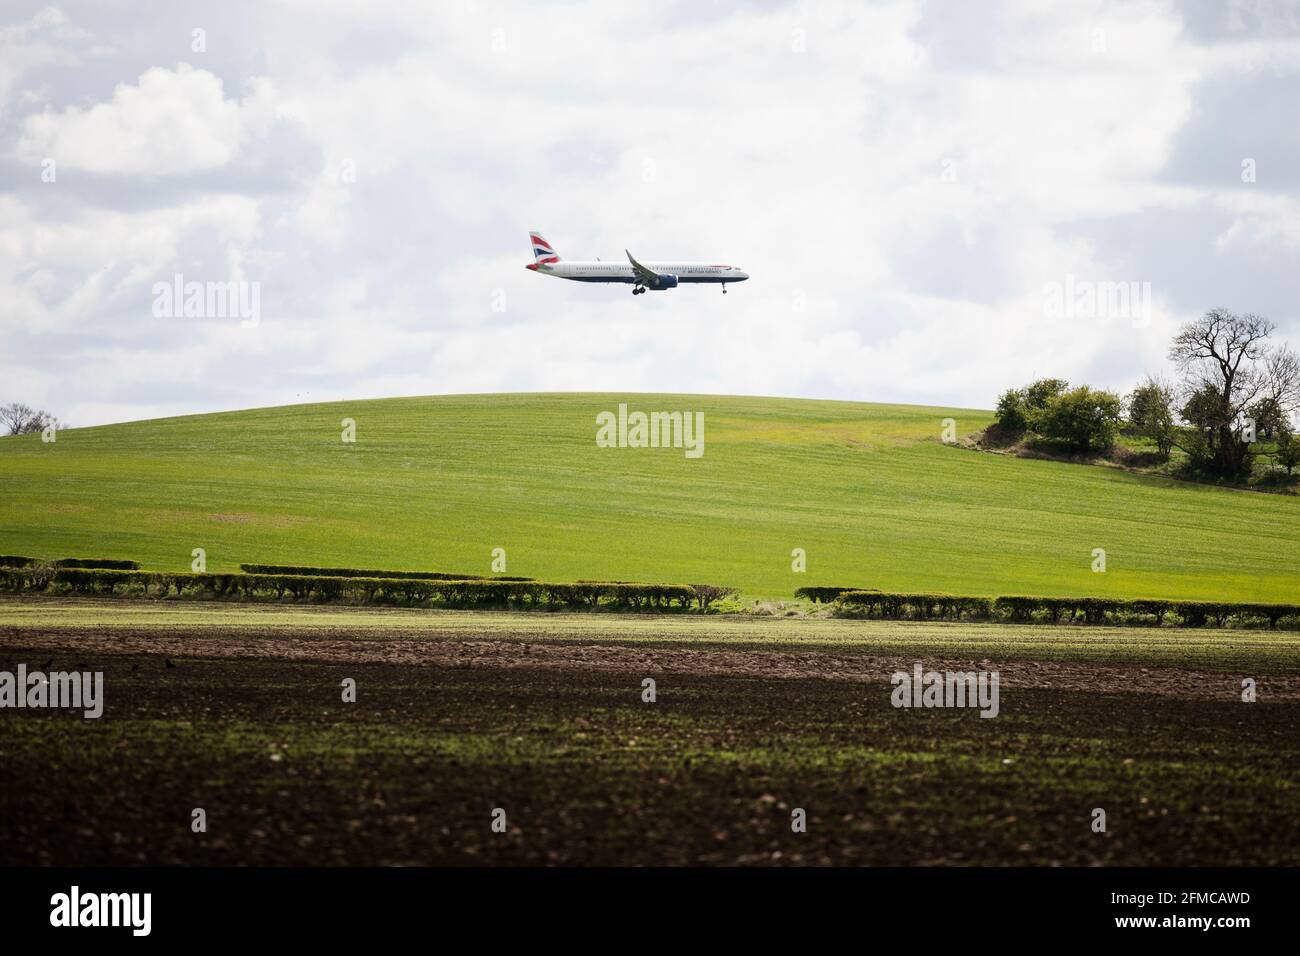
37	41
1262	219
170	122
61	276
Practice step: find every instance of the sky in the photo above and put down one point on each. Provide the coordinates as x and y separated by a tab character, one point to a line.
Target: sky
934	201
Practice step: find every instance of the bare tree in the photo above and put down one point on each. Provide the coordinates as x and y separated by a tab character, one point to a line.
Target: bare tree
1282	382
1227	368
21	419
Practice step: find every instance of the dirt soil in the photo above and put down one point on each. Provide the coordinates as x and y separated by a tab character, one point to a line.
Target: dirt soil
1056	675
251	727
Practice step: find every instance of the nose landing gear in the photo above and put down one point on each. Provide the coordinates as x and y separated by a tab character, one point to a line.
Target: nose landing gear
724	288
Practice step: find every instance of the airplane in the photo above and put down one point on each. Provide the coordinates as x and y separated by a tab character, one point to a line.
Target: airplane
655	275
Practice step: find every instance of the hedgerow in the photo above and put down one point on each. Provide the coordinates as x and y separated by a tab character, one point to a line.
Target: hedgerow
18	561
898	606
627	596
407	592
1020	609
359	573
823	595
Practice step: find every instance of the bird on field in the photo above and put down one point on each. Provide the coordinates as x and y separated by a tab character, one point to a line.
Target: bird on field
168	662
46	665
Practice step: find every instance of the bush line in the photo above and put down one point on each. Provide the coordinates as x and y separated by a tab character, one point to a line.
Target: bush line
19	561
824	595
404	592
1018	609
357	573
420	588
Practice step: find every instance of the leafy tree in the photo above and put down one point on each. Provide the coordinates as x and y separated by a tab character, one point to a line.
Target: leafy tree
1011	410
1019	408
1203	412
1269	418
1288	451
1151	413
1040	392
1083	418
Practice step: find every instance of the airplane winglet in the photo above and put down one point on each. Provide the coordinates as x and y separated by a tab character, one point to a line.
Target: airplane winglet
644	274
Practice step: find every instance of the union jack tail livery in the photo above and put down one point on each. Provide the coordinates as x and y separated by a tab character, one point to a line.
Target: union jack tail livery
542	251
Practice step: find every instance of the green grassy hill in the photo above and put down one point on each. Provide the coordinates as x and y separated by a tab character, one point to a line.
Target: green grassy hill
868	491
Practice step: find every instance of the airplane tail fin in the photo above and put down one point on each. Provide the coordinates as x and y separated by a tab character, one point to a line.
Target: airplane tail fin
542	250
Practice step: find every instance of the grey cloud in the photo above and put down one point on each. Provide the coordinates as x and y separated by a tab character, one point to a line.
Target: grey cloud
389	278
1239	116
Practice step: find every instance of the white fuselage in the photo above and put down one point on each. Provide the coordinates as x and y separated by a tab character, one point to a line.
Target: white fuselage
598	271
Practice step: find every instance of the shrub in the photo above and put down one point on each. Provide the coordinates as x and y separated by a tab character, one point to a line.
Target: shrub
725	606
822	595
94	580
13	580
1151	413
15	561
1054	609
975	608
359	573
1015	608
1040	393
888	604
1272	613
109	563
706	594
1156	609
1084	419
1191	613
1288	451
1011	413
1096	610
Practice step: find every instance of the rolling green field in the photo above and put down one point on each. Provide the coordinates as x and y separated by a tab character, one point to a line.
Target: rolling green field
868	491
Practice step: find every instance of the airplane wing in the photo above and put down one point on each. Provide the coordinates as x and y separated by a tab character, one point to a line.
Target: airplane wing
643	275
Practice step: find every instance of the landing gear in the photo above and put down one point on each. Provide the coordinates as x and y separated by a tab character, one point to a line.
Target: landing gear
724	288
637	290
